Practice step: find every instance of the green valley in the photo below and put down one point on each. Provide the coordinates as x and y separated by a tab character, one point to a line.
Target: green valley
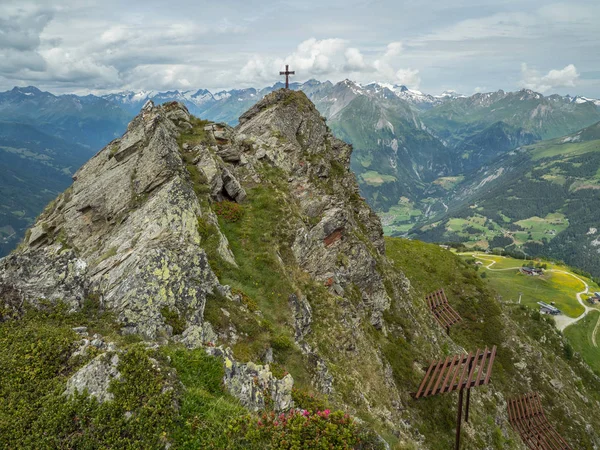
539	200
559	285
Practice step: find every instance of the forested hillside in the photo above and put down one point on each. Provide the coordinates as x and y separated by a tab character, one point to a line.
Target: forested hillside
541	200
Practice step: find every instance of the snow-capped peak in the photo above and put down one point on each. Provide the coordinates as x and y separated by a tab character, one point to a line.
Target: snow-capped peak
450	94
410	95
528	94
356	88
579	99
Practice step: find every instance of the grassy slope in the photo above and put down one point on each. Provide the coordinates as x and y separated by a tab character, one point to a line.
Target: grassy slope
580	336
555	286
560	288
551	287
487	322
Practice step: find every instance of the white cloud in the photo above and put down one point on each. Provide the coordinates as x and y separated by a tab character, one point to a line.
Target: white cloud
315	56
331	57
312	58
409	77
393	50
126	45
20	29
116	34
355	61
532	79
59	67
499	25
13	61
386	70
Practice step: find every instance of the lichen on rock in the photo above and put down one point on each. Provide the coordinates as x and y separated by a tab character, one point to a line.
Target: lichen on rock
130	228
253	384
95	377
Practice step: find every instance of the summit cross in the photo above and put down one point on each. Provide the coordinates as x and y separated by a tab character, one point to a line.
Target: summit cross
287	74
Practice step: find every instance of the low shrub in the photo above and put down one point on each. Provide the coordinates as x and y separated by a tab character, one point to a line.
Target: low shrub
229	211
282	342
306	400
302	430
174	319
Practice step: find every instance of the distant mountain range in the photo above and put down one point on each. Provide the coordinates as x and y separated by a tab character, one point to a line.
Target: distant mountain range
89	121
414	153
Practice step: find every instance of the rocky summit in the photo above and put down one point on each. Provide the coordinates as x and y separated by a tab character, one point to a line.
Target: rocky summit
186	250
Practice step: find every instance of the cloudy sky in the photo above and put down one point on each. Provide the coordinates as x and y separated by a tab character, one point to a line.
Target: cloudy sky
467	45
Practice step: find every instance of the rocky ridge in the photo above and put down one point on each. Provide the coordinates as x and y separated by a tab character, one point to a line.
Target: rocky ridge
126	234
157	228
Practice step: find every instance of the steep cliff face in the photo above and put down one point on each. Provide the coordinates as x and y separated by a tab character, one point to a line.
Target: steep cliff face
125	232
254	244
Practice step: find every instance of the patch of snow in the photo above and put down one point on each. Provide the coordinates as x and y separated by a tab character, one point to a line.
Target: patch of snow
221	95
490	178
592	230
575	138
450	94
410	95
383	123
580	100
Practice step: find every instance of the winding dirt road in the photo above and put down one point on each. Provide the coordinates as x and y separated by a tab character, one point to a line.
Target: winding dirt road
562	321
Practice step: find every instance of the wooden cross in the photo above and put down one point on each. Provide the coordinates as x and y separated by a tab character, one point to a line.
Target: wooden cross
287	74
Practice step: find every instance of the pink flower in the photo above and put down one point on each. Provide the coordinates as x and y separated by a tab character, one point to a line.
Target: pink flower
306	413
326	412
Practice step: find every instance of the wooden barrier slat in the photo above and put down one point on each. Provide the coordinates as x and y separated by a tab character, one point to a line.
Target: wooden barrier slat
424	381
441	309
490	364
449	373
526	415
473	365
431	379
457	372
437	383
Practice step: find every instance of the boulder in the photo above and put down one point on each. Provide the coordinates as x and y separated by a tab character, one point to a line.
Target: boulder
254	385
95	377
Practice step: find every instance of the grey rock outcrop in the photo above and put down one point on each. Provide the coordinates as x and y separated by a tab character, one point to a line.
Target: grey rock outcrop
125	233
95	377
133	233
254	385
296	139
